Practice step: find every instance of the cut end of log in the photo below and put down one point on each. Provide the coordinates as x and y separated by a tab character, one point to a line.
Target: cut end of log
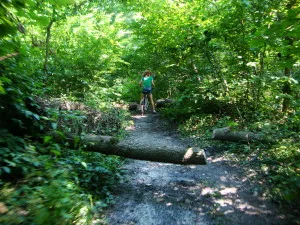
194	156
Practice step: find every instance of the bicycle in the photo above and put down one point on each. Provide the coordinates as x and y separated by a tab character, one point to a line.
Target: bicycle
144	103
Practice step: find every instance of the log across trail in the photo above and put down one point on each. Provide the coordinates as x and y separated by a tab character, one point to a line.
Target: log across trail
220	192
141	145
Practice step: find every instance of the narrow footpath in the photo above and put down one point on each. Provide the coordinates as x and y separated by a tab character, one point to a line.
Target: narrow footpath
219	193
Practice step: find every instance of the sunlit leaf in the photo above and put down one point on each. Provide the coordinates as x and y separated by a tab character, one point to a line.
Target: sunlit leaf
36	116
54	126
2	90
6	169
84	164
55	152
47	139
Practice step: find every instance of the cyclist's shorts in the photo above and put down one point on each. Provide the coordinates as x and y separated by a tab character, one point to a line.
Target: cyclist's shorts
147	90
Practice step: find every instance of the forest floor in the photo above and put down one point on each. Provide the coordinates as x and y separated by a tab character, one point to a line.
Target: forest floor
219	193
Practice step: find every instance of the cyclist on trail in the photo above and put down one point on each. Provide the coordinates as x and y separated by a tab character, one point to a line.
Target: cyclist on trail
147	83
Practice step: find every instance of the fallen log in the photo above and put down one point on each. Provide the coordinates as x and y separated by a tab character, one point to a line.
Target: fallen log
226	134
163	102
150	152
133	106
159	104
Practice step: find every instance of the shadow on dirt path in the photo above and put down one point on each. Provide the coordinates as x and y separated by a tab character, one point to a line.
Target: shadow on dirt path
167	194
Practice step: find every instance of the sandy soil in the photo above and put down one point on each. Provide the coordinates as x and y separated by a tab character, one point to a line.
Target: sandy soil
220	192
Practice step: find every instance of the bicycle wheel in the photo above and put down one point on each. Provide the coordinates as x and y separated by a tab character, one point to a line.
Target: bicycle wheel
146	104
143	105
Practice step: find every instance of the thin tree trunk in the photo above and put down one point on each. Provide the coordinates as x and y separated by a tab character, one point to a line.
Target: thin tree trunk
218	72
48	36
261	73
286	89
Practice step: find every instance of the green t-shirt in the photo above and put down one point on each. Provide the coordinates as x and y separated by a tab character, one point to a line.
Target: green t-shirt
147	82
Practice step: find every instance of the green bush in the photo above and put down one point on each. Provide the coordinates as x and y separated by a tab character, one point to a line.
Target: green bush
44	179
48	197
278	161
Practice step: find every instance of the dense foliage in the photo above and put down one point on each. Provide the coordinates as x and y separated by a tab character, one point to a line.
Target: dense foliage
225	63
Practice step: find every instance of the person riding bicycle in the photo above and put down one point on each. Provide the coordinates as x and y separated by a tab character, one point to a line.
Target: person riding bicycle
147	83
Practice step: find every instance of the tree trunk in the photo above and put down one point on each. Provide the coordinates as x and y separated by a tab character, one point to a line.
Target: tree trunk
150	152
286	89
225	134
48	36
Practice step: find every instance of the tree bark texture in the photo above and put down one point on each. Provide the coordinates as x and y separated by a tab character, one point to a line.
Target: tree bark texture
150	152
226	134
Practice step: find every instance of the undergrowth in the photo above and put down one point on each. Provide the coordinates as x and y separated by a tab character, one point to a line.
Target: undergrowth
48	180
276	162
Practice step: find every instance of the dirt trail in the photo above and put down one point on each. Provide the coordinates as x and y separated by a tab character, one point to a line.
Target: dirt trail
166	194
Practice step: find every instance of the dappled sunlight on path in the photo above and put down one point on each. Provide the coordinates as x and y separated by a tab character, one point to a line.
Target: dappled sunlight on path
159	193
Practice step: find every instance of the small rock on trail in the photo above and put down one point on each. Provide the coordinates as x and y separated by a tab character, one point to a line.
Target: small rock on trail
154	193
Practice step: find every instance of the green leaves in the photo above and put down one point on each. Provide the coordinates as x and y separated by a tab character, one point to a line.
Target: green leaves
6	169
62	2
2	90
224	63
47	139
84	165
